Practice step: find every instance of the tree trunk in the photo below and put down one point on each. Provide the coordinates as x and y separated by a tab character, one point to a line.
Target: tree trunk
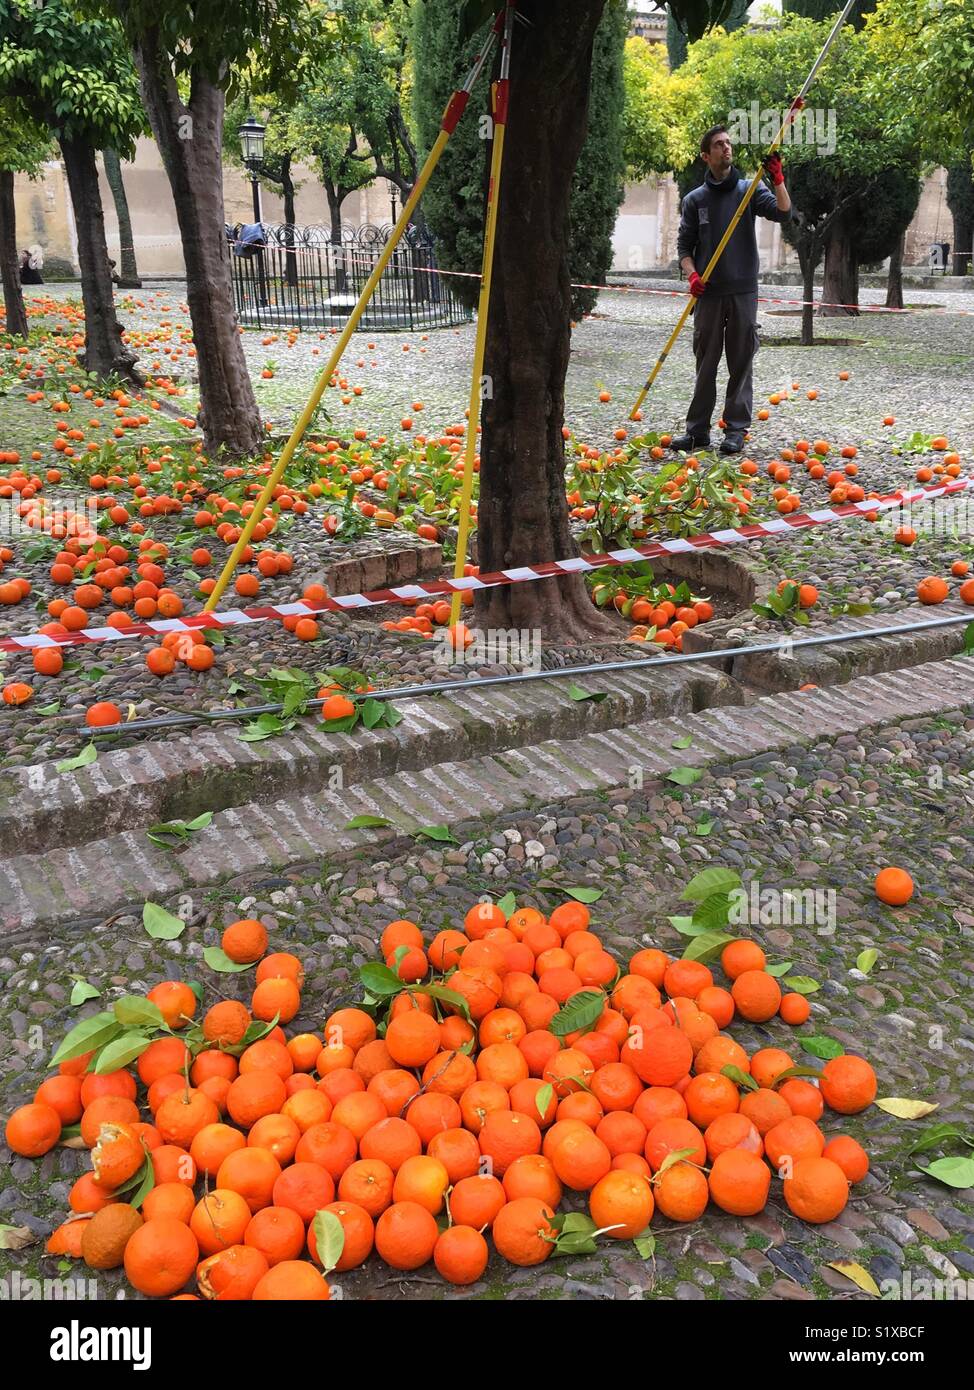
841	280
335	196
963	238
287	188
894	283
189	139
808	260
523	515
960	200
129	274
105	354
13	295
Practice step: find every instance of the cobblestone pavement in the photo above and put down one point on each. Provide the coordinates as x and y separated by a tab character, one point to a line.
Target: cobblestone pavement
824	817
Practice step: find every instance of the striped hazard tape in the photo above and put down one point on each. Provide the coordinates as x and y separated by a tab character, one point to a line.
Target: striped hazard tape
549	569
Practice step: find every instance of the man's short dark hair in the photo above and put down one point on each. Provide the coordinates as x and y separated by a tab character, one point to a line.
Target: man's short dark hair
708	136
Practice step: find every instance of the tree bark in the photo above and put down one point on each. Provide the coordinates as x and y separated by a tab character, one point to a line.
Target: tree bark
189	139
841	280
129	272
523	515
960	200
894	283
287	189
13	295
105	354
963	237
808	294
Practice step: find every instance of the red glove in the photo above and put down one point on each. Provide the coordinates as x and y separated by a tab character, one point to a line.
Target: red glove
773	166
697	286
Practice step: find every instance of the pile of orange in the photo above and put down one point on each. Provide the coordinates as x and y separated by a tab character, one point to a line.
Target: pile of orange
431	1121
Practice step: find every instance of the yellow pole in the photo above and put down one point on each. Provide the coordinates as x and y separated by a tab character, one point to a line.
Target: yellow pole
500	99
789	117
451	116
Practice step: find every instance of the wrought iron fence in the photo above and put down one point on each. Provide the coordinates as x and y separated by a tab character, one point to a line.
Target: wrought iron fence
300	277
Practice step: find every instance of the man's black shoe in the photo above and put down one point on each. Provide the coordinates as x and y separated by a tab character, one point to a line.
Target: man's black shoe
733	443
686	443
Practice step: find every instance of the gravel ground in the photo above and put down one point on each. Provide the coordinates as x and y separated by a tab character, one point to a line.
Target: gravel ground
917	366
825	817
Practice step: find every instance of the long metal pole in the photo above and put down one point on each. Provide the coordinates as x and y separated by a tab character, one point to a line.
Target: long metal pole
451	116
403	692
500	95
745	201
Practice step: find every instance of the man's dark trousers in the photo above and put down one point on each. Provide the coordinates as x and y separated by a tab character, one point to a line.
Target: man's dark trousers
723	323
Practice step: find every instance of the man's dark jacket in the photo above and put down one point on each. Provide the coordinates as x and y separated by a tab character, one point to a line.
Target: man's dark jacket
706	212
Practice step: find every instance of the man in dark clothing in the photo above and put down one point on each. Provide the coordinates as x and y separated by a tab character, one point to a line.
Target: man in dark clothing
726	312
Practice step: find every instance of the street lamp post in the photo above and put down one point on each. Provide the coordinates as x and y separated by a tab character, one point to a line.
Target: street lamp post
392	195
251	135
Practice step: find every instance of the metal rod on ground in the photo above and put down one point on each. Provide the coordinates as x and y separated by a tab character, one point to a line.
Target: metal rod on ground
789	117
403	692
500	98
451	116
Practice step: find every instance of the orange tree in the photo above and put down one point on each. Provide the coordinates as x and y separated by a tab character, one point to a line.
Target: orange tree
186	53
74	77
523	512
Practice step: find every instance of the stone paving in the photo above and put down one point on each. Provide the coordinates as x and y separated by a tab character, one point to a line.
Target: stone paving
825	813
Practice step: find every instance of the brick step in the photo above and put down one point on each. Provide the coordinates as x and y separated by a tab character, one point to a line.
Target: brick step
81	885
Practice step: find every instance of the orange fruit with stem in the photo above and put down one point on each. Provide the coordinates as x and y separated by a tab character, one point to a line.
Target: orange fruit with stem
422	1180
183	1114
673	1136
522	1231
245	941
461	1255
224	1024
621	1204
359	1231
681	1192
219	1220
709	1095
768	1063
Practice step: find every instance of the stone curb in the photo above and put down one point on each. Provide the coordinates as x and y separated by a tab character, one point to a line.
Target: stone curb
76	886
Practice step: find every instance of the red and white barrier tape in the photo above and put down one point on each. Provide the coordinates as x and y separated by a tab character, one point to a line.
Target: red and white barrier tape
233	617
672	294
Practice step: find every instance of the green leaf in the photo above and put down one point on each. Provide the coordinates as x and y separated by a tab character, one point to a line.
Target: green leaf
367	822
801	984
778	970
823	1047
83	990
435	832
133	1011
543	1099
443	994
379	980
645	1245
740	1078
706	945
120	1051
685	926
160	924
201	822
703	828
684	776
969	637
329	1234
676	1156
217	959
373	713
907	1107
87	1036
581	1011
713	913
145	1182
955	1171
709	881
867	959
683	742
789	1072
508	905
86	756
575	692
581	895
936	1134
49	709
